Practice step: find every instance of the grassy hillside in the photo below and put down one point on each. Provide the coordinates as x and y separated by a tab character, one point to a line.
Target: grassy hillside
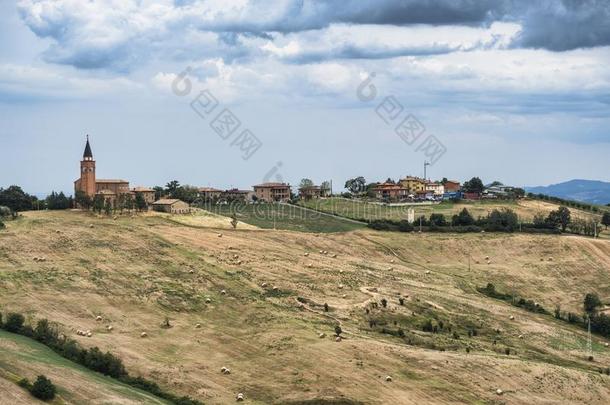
526	209
133	272
285	217
23	357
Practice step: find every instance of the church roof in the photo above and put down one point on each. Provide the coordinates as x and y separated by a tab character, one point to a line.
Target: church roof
88	153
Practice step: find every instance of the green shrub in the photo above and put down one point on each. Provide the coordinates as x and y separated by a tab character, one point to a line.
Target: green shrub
427	327
43	388
338	330
24	383
591	302
384	302
14	322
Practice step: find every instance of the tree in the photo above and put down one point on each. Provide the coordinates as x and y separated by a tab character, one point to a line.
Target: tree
83	200
463	218
606	219
325	188
356	185
171	187
504	220
107	207
438	220
14	322
16	199
140	203
59	201
98	203
338	330
159	192
559	218
304	183
188	194
591	302
474	185
43	388
390	181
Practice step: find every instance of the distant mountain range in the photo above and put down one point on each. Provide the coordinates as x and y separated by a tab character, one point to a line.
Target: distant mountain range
591	191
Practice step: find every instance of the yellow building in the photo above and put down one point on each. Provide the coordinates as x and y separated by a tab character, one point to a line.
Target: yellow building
413	185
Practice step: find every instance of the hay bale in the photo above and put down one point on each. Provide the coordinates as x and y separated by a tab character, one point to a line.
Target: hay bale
606	344
197	325
239	262
427	271
235	256
322	335
340	271
391	260
306	254
340	286
239	397
486	257
220	235
225	370
223	292
309	265
520	336
334	255
109	328
143	334
338	339
264	285
321	251
191	271
512	318
90	225
208	300
390	268
499	391
89	334
388	378
98	318
344	296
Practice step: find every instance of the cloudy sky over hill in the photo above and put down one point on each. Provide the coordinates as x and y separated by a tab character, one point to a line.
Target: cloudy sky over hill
511	90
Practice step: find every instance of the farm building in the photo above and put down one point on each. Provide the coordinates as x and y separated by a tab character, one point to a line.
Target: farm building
270	192
171	206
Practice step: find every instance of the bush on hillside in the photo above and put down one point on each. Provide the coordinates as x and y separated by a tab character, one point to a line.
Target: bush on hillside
591	302
43	388
14	322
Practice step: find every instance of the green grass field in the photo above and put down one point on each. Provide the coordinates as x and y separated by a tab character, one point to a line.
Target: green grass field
19	355
356	209
285	217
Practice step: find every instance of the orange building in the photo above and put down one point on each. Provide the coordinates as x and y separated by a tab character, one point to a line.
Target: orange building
91	186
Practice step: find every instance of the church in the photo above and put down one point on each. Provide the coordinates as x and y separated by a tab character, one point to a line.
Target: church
110	190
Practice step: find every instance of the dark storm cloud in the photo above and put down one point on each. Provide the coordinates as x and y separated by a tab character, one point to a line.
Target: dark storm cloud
96	36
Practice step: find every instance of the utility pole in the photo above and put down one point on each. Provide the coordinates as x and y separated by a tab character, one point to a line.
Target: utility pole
426	164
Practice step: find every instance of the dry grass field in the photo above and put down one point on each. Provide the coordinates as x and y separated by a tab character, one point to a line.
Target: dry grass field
134	272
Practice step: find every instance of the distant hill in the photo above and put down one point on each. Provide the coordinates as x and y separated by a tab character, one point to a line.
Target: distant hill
591	191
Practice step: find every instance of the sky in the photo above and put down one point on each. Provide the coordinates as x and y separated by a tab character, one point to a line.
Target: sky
231	93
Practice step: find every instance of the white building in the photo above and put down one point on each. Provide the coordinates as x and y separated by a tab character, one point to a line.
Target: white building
435	188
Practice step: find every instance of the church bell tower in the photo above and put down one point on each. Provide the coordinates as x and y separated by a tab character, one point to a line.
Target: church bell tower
87	172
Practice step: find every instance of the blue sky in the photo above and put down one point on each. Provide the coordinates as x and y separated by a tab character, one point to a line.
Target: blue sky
512	90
